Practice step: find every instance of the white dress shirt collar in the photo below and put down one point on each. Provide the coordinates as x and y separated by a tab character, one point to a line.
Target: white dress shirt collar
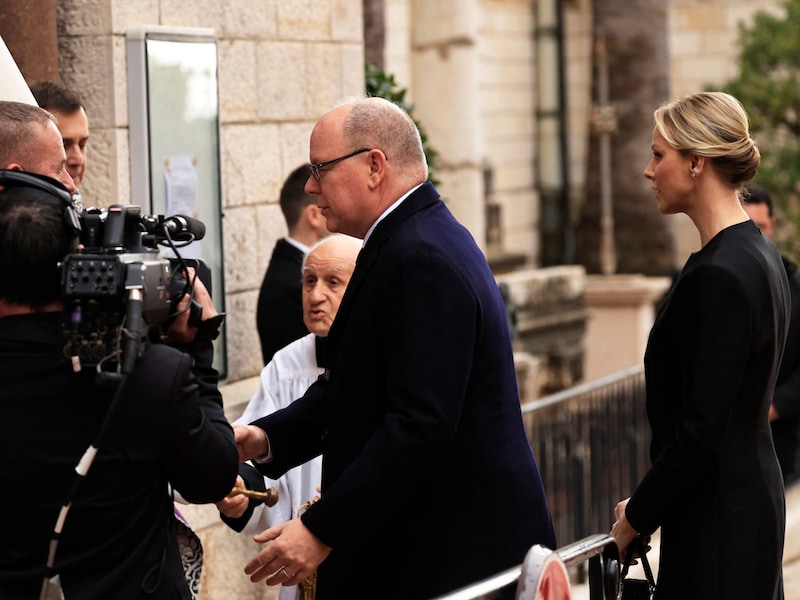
387	211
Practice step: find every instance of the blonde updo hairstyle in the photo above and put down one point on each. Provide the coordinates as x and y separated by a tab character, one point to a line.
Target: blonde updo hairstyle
713	125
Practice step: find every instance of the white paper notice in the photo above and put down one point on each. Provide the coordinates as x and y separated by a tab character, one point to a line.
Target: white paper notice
180	175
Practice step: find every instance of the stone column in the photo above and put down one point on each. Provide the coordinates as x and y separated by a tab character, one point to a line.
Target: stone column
447	103
93	62
621	312
28	28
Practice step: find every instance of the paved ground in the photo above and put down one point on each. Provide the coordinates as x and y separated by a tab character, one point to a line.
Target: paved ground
791	553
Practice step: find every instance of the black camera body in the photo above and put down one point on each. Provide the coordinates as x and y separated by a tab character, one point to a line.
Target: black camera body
119	290
104	278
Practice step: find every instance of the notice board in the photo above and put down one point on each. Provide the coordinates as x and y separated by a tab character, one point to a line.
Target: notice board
173	108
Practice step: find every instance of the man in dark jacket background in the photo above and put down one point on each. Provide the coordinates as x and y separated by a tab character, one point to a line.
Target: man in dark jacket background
279	314
784	412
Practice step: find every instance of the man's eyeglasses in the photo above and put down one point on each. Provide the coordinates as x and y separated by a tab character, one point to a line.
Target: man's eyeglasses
315	169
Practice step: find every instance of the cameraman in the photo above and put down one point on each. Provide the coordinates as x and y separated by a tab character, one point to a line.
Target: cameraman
30	141
118	539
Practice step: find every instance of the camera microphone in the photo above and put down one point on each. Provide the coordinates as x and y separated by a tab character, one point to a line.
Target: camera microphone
180	225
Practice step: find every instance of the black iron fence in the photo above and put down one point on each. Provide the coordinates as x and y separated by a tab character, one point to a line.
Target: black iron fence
592	445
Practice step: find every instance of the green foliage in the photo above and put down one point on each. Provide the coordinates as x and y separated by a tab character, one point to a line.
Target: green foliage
768	86
383	85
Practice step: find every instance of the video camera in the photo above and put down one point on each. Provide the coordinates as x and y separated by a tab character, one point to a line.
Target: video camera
120	253
119	287
118	291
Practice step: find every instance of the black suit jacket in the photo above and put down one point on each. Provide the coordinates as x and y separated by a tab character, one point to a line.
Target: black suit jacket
715	487
428	479
119	536
787	390
279	316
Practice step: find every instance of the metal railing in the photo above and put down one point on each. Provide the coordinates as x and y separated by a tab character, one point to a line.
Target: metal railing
592	445
537	574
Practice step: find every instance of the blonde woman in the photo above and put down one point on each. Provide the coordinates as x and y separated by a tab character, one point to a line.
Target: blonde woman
715	487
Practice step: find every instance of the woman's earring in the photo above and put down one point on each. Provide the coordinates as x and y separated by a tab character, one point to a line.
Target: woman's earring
692	174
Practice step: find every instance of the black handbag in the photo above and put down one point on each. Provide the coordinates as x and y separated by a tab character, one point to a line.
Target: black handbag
637	589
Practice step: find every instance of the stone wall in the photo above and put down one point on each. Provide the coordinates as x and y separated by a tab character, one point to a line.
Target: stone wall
468	67
507	84
549	320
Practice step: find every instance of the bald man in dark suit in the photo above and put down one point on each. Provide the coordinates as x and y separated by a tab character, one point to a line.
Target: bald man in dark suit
428	480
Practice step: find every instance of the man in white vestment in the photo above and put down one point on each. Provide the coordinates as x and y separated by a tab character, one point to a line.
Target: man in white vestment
326	272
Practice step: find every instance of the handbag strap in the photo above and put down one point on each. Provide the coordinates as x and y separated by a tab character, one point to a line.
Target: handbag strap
643	557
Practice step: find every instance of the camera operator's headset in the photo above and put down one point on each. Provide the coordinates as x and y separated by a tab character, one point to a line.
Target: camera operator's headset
52	186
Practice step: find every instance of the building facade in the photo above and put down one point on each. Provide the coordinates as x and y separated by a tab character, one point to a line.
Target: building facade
480	74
